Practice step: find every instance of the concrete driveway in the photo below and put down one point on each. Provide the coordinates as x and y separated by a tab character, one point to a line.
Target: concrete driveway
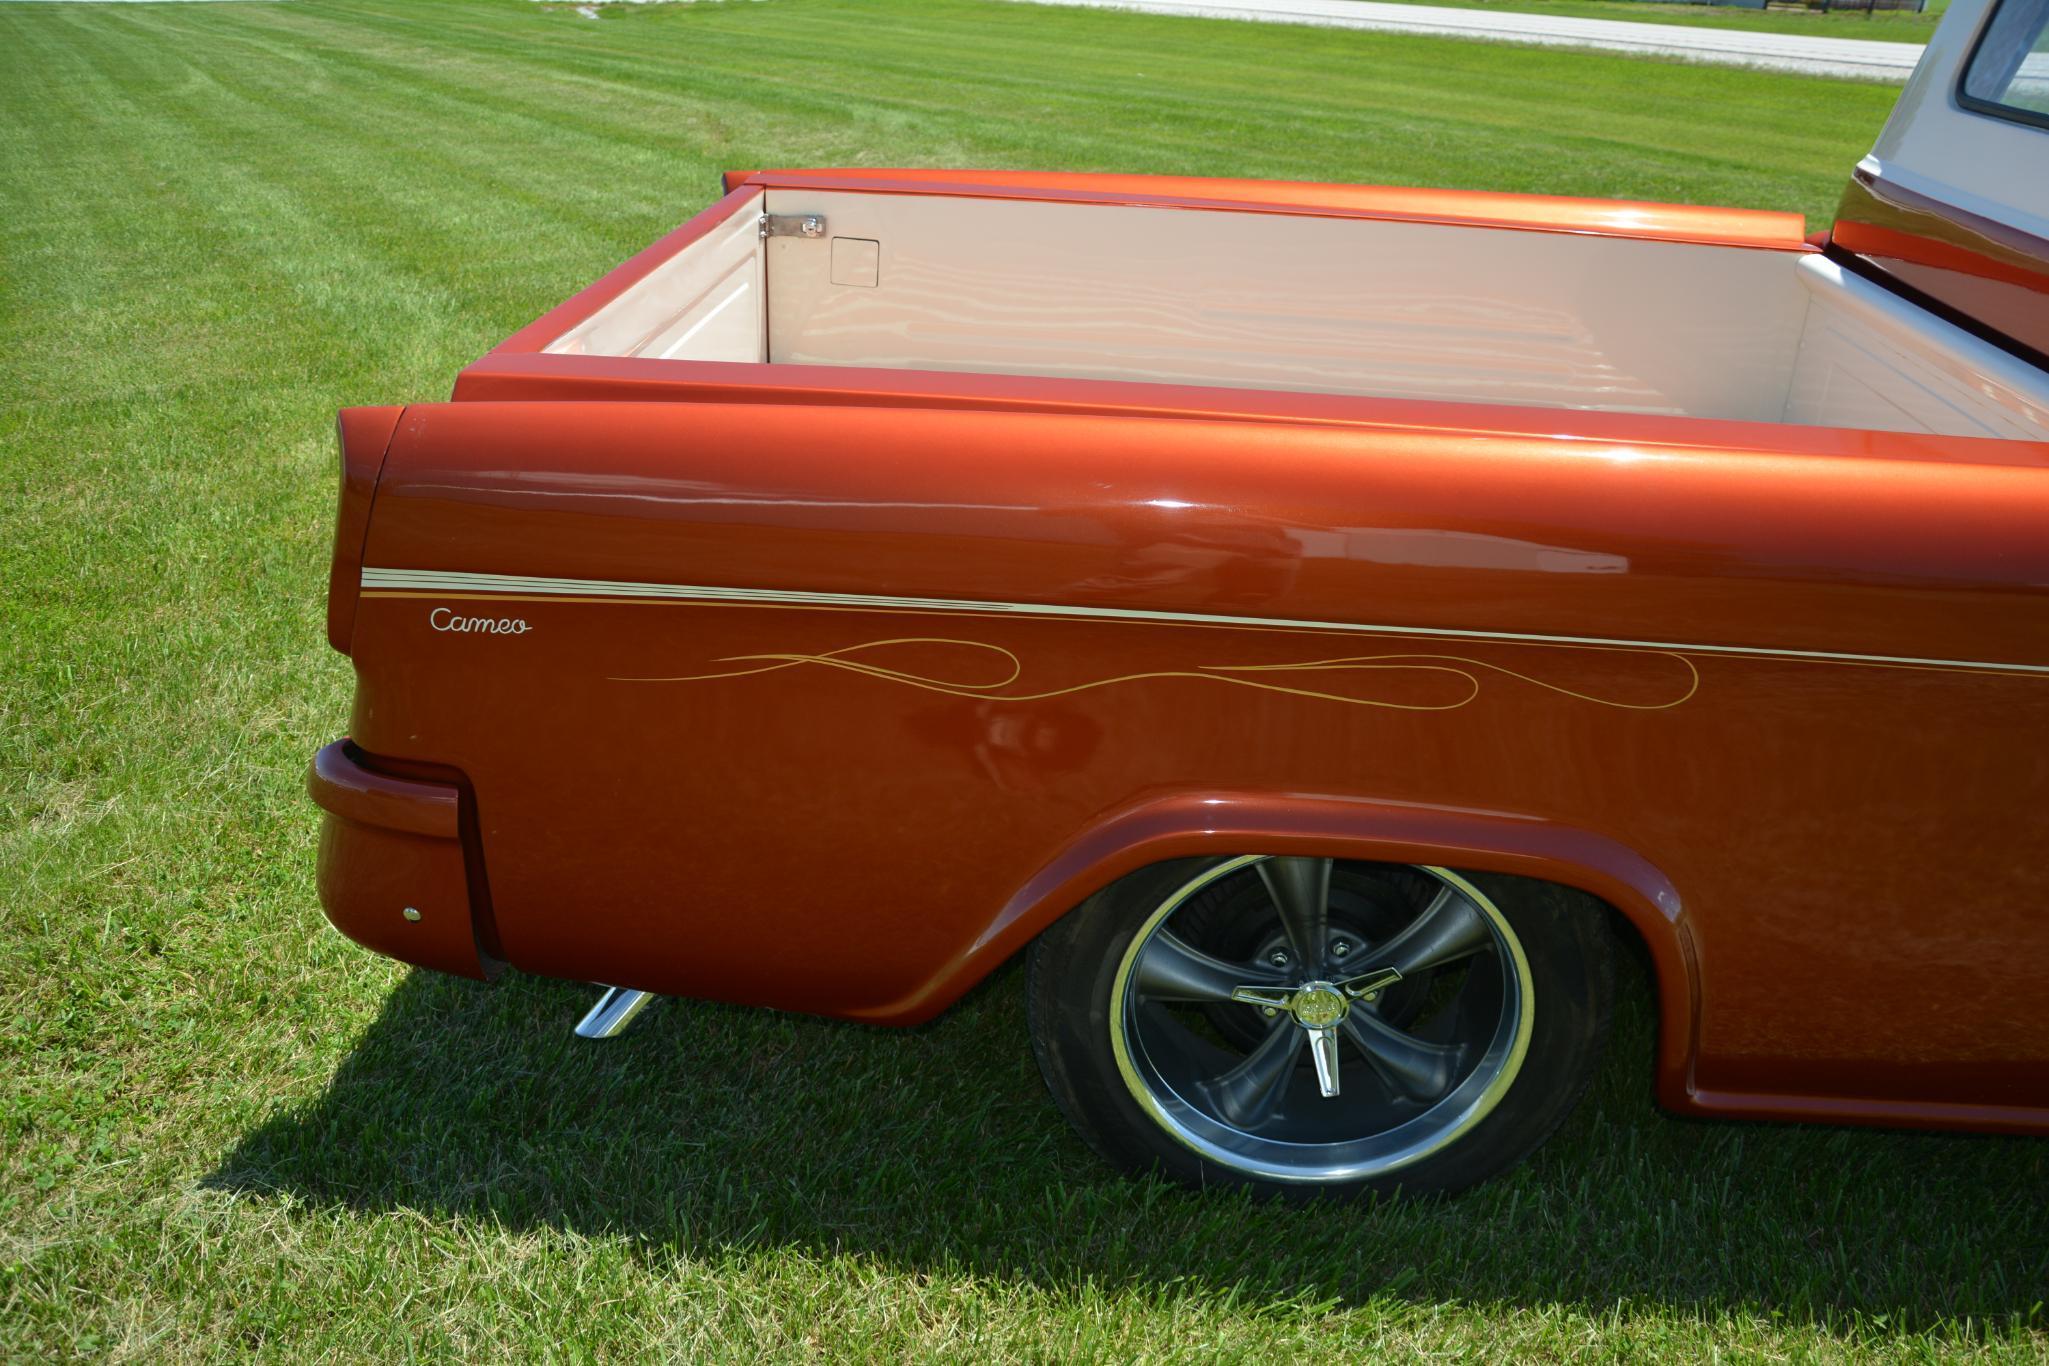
1855	57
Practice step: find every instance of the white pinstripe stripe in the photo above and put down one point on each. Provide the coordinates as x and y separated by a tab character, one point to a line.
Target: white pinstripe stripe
456	581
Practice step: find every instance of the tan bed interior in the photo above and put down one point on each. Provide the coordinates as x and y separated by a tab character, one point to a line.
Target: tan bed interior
1326	305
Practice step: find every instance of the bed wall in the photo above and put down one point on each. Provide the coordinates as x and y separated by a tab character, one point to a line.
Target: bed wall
705	303
1329	305
1277	301
1870	359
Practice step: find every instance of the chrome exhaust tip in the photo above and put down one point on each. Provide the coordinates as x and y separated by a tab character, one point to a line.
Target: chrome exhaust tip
614	1011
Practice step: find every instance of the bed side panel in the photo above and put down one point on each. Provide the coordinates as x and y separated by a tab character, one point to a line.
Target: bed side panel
763	710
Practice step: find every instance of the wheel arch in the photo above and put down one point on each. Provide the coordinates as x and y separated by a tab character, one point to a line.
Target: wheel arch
1186	825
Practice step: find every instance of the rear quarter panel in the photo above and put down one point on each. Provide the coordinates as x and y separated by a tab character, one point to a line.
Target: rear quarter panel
1783	709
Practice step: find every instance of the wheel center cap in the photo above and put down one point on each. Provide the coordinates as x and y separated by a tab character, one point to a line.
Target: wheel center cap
1318	1005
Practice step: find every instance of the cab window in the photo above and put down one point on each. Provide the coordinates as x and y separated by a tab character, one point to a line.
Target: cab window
2008	73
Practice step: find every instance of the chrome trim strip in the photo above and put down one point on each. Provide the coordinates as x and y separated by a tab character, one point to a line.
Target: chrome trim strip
459	581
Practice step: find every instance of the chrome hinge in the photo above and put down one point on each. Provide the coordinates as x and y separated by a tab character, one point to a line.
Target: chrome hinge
793	225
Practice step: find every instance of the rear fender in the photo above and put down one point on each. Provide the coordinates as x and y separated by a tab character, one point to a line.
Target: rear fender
1195	824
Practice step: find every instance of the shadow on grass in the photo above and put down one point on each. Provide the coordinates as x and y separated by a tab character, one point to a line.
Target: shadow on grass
710	1130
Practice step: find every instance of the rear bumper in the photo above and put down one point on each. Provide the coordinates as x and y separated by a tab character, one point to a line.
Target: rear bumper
393	872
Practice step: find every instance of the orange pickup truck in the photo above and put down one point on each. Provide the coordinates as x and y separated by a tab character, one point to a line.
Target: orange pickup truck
1319	625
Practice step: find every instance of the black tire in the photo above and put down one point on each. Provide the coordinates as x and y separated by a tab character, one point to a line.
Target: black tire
1138	1093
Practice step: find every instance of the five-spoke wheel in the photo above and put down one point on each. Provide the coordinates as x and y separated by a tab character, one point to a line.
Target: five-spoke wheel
1309	1024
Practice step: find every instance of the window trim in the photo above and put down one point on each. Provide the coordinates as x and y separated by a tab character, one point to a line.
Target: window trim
2007	113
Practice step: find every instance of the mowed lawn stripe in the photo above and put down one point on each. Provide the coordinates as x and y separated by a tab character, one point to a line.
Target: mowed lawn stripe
225	1131
1666	109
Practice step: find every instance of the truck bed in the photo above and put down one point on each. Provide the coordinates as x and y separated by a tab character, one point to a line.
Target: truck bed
1476	299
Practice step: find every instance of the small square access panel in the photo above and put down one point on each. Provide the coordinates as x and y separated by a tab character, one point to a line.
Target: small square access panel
856	261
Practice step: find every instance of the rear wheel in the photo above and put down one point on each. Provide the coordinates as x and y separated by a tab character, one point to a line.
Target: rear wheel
1309	1025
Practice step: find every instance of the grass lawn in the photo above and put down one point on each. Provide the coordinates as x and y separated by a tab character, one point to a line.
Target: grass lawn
1897	26
226	1131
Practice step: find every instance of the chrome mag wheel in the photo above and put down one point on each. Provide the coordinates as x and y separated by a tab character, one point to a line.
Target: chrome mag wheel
1299	1020
1311	1027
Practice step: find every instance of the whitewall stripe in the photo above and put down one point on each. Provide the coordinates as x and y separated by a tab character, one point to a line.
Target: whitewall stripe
452	581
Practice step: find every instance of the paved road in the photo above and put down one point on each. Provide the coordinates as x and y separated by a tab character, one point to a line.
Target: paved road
1861	57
